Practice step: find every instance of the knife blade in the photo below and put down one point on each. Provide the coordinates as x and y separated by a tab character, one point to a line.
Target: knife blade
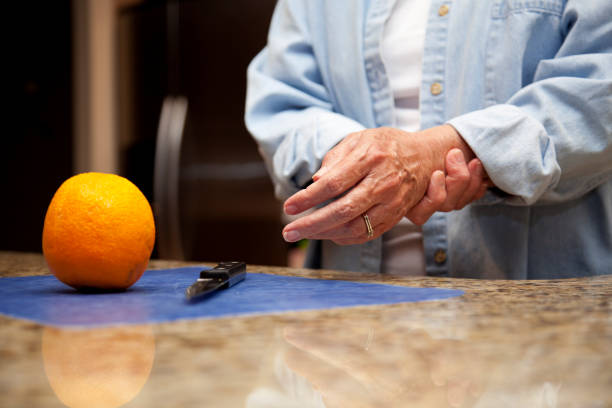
222	276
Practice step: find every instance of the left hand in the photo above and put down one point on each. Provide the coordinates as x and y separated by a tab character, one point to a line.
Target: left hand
462	184
383	172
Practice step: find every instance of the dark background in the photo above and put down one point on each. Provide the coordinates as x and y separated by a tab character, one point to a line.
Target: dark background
37	146
198	49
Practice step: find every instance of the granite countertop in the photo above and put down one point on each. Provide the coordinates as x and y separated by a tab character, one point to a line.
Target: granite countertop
501	344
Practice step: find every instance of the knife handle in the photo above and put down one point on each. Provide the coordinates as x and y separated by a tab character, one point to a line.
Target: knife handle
232	272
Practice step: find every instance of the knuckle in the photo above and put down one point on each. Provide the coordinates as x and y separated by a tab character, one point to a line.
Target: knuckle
395	207
375	154
347	210
334	185
355	135
396	179
462	176
386	186
354	139
378	153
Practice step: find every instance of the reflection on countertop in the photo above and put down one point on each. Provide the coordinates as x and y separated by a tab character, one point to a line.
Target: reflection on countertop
501	344
98	368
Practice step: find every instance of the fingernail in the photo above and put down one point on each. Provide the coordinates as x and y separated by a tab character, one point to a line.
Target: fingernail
290	209
457	156
291	236
319	173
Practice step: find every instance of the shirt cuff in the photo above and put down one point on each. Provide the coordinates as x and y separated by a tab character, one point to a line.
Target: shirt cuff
515	150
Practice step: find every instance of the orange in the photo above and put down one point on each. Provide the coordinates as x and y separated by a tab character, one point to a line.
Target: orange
99	232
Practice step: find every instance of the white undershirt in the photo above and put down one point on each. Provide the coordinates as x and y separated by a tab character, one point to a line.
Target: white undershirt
402	53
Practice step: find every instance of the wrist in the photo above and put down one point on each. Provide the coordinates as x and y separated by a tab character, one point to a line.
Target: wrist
443	138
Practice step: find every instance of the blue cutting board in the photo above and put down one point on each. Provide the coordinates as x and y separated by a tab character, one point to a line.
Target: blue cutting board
159	296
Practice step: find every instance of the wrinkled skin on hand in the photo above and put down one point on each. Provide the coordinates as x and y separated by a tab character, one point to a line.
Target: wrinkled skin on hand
383	172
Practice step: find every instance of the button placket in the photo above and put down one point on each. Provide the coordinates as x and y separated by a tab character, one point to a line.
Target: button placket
433	114
436	88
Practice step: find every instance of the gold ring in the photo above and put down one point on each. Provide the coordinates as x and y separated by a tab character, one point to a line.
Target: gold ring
368	225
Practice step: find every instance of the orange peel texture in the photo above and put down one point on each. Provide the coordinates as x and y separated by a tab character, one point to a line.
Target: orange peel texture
99	232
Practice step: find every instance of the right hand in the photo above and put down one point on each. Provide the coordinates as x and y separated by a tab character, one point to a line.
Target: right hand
383	172
426	372
463	184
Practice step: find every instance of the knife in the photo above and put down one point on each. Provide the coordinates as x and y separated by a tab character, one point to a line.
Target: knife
222	276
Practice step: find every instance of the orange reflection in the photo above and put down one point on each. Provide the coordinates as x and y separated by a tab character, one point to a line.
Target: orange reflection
98	368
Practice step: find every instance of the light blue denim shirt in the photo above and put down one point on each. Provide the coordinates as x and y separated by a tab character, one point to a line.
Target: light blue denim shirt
528	85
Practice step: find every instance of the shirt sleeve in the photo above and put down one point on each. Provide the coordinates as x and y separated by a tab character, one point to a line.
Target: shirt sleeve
552	140
288	109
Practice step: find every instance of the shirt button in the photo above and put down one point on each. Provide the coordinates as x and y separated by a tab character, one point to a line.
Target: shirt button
443	10
440	256
436	88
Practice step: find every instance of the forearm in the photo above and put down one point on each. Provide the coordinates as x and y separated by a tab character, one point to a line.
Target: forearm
550	140
538	158
292	141
289	111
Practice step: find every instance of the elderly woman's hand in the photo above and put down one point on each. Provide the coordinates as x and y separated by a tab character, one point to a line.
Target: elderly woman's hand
463	184
379	172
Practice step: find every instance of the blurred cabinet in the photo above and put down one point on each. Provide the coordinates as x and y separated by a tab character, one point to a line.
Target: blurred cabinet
37	127
198	52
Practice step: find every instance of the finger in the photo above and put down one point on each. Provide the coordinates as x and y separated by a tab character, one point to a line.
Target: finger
457	178
317	373
476	173
481	191
356	231
334	214
378	231
435	196
348	353
325	188
334	182
335	155
323	343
